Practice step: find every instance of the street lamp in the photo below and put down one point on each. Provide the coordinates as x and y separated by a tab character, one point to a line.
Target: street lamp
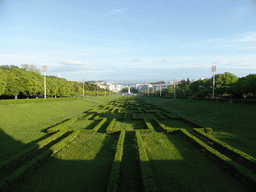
45	70
83	87
213	80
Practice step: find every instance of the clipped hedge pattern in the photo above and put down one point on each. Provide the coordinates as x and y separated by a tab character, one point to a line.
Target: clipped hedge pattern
110	126
243	158
97	127
148	124
146	173
62	125
248	177
25	170
116	167
24	153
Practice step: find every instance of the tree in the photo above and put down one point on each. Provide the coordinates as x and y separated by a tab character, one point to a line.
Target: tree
31	67
2	82
223	82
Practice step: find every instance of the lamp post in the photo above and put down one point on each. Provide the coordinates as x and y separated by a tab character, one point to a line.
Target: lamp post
83	87
213	80
45	70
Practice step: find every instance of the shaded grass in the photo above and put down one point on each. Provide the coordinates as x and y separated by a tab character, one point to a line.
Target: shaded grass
178	166
231	118
130	178
83	165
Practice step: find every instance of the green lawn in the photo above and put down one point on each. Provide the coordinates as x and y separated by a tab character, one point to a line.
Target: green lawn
179	166
24	124
232	123
84	165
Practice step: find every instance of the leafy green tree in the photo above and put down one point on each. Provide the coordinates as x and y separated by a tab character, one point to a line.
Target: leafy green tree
2	82
223	82
13	81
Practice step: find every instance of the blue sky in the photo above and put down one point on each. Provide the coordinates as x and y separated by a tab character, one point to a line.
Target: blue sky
124	40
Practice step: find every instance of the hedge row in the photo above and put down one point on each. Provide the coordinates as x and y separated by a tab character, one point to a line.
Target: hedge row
148	124
116	167
110	126
25	153
136	118
97	127
112	111
146	173
166	129
139	110
97	118
243	158
160	116
86	117
61	125
94	110
121	110
25	170
247	176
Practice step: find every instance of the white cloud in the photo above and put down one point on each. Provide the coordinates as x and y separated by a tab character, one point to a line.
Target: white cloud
118	11
247	37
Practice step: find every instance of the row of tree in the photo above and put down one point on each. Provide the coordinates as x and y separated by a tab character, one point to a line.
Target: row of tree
28	82
226	84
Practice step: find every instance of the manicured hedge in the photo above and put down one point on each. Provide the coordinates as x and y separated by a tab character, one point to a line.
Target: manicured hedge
62	125
110	126
93	110
25	170
148	124
116	167
32	149
248	177
139	110
160	116
120	110
112	111
136	118
233	153
166	129
97	118
86	117
172	116
146	173
97	127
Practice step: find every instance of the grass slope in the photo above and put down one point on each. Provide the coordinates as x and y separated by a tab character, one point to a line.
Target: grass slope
178	166
232	123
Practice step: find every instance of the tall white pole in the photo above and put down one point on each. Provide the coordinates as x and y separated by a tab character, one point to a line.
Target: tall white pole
213	82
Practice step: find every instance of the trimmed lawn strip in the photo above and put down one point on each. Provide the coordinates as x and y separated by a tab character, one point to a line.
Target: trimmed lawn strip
130	178
247	176
115	171
179	166
233	153
146	173
27	152
26	169
83	165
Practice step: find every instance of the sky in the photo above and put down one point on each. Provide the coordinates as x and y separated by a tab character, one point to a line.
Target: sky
130	40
